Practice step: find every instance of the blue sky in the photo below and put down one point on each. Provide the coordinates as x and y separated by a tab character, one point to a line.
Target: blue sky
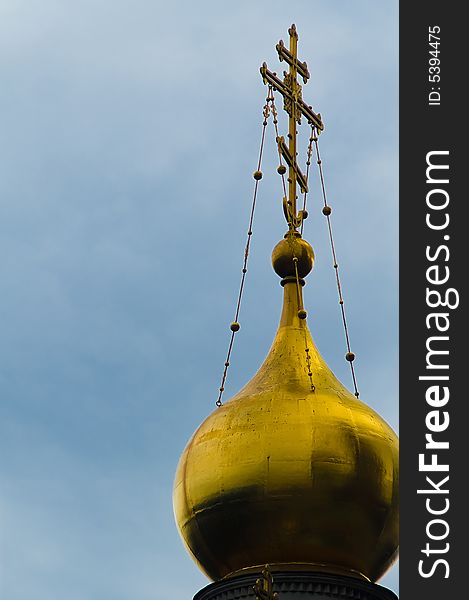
129	134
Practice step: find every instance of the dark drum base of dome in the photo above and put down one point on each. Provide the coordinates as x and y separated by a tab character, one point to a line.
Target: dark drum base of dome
297	586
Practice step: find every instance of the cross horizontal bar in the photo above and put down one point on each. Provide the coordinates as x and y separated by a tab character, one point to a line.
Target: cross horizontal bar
291	162
269	78
286	55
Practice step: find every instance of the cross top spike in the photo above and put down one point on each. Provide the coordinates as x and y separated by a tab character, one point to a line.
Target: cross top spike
294	105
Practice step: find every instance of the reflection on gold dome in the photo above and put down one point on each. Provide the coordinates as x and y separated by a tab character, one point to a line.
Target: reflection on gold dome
284	474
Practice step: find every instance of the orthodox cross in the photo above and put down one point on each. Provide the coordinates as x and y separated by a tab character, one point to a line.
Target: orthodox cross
264	587
294	105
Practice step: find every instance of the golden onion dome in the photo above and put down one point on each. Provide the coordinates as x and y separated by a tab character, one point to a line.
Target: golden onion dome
294	470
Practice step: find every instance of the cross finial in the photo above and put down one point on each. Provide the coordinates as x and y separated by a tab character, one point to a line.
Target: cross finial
295	107
264	586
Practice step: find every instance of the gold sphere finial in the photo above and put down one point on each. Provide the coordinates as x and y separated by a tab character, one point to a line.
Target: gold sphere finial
292	249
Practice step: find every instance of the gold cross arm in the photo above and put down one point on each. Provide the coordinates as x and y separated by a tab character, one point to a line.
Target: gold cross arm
270	78
287	56
291	162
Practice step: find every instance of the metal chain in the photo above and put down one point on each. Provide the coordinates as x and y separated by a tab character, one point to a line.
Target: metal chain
281	169
327	210
235	326
308	164
302	314
270	108
305	214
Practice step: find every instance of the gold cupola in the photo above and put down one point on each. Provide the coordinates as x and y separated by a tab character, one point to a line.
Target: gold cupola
294	471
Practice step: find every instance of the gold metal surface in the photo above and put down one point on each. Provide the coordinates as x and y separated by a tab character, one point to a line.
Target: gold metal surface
287	476
292	246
